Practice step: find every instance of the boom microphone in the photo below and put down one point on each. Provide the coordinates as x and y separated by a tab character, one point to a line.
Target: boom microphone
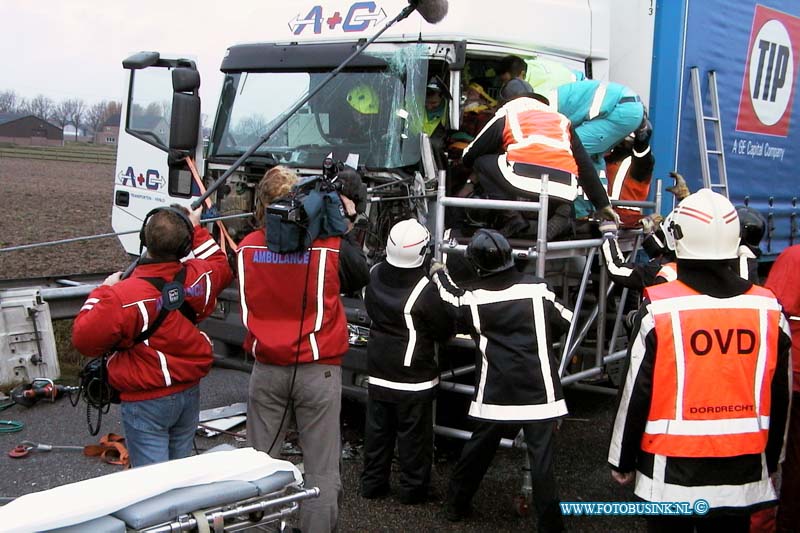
433	11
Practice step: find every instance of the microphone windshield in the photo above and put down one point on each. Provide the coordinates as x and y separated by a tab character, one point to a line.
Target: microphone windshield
433	11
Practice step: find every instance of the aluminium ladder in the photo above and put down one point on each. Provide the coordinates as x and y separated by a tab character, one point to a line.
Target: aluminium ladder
701	118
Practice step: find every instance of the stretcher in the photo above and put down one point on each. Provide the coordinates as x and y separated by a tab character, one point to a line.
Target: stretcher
228	490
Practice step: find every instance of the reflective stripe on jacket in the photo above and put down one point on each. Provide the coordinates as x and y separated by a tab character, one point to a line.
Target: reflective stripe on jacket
669	271
178	354
623	185
516	376
588	99
714	365
407	319
535	135
272	289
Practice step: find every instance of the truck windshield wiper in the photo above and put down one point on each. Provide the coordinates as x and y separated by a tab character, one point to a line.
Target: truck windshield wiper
263	157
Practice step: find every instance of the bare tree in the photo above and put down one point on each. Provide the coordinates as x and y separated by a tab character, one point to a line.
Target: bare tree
78	112
154	109
41	106
96	116
114	108
63	113
248	129
166	109
22	107
8	102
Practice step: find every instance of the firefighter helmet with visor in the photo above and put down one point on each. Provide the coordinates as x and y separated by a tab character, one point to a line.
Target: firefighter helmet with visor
407	244
705	225
363	99
752	226
489	252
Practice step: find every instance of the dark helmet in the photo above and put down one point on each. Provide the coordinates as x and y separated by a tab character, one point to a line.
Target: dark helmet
489	252
752	226
517	88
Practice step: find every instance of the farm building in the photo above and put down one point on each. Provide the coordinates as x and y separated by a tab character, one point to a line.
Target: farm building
109	132
29	130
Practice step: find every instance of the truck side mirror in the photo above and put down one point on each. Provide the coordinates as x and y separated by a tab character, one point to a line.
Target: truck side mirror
185	119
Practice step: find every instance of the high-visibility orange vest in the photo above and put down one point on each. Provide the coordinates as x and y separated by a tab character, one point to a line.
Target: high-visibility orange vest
714	363
621	186
538	137
669	271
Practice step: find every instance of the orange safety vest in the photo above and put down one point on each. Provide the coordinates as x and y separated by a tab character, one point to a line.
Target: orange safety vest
622	187
669	271
714	362
536	135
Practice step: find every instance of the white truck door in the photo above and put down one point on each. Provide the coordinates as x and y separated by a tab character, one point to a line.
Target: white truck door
159	127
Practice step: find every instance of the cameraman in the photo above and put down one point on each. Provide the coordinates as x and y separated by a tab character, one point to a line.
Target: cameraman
157	377
297	332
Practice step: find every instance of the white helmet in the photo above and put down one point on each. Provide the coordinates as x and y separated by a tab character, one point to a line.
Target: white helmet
705	225
408	242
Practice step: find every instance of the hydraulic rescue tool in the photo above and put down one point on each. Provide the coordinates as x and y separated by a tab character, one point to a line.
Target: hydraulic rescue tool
40	389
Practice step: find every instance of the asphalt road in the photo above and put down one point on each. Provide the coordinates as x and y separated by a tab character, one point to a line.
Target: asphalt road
580	464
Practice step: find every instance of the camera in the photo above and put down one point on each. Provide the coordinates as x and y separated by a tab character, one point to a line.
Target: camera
288	209
312	210
330	173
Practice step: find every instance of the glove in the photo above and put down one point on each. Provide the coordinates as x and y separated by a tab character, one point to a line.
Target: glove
680	190
608	229
436	266
609	222
113	279
650	223
608	213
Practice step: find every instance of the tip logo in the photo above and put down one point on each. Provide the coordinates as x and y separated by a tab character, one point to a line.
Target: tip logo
768	84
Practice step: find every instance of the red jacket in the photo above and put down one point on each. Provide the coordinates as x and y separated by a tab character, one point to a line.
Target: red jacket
784	281
178	354
272	288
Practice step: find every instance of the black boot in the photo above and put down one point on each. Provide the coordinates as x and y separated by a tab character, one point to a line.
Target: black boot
559	226
512	223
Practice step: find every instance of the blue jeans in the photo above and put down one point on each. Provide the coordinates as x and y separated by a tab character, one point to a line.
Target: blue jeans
161	429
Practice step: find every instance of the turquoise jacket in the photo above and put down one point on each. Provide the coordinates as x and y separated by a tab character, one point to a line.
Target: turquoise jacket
575	99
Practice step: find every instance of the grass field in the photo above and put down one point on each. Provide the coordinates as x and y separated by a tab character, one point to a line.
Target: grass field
74	152
47	200
69	360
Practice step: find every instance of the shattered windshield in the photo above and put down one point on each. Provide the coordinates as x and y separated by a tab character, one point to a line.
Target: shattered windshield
368	115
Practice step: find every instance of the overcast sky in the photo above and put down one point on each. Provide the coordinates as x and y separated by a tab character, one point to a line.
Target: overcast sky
75	48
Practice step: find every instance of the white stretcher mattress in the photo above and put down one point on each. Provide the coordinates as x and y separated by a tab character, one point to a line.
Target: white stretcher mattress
90	499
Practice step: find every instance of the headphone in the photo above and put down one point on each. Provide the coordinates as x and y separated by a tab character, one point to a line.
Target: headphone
186	244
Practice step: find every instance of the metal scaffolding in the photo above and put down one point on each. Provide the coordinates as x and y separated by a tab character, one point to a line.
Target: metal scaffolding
593	360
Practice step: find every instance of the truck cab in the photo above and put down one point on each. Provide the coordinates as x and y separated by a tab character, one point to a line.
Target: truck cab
369	116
